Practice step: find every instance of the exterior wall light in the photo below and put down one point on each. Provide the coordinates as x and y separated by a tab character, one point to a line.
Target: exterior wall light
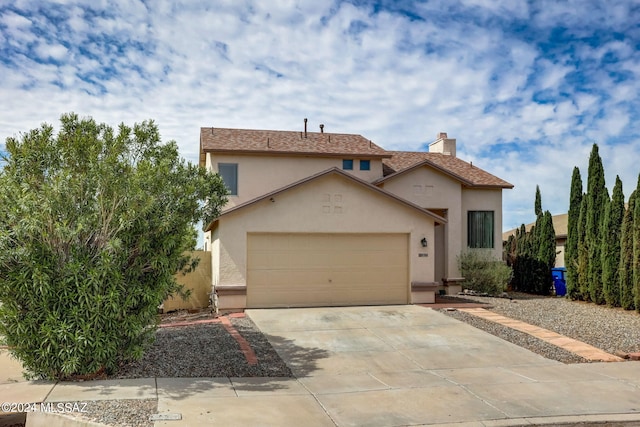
423	242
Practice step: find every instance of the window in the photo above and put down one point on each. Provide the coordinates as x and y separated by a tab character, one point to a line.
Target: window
229	174
480	229
365	165
347	164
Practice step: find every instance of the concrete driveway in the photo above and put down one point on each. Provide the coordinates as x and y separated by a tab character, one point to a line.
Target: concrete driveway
410	365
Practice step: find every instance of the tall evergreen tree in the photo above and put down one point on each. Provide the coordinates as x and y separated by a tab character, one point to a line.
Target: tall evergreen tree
537	207
534	254
547	248
520	262
636	250
626	256
546	253
583	253
571	250
597	197
613	218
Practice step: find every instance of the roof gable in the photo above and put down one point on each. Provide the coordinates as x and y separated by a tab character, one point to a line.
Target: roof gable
331	171
286	142
469	175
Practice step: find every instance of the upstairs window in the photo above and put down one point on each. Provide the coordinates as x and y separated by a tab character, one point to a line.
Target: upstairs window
480	229
229	174
365	165
347	164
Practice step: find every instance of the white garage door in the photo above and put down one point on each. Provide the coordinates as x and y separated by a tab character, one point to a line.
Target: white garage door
304	270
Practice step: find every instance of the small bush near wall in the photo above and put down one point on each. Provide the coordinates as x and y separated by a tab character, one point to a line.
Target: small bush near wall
482	272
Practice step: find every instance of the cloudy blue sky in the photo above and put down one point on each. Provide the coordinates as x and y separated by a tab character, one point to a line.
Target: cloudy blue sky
526	87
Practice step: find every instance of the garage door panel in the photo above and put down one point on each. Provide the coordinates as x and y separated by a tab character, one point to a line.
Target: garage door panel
326	269
372	278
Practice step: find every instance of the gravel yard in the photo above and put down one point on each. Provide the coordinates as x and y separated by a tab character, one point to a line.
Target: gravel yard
206	350
615	331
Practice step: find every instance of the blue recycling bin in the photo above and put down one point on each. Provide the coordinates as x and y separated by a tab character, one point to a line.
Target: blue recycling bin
559	282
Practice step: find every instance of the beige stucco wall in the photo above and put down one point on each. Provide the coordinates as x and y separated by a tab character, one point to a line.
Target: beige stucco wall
330	204
198	282
484	200
258	175
561	244
432	189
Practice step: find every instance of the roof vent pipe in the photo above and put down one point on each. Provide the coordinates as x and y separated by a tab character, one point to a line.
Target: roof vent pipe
321	128
305	128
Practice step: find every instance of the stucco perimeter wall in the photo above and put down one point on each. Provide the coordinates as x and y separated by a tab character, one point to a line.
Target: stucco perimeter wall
198	282
484	200
258	175
431	189
330	204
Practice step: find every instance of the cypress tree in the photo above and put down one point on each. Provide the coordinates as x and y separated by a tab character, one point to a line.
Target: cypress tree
535	253
571	250
636	250
519	267
537	207
613	218
546	252
597	196
626	256
583	253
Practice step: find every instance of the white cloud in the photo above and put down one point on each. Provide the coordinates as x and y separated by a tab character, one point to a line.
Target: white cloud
13	21
53	51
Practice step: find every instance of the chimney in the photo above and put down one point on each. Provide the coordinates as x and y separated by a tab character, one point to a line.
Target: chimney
305	128
321	128
443	145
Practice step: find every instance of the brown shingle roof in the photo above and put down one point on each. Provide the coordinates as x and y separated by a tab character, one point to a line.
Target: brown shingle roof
286	142
465	172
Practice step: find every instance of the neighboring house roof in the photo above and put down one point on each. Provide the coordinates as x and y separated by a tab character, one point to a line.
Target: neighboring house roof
331	171
223	140
560	226
471	176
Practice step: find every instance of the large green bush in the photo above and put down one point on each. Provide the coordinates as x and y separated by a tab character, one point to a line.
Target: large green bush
482	272
93	227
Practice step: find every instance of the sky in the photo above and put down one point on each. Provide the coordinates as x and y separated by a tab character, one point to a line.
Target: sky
526	87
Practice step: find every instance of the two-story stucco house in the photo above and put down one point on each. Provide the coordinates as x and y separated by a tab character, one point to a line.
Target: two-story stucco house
324	219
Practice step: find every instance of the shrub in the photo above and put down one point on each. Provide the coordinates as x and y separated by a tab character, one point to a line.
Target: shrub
93	227
483	272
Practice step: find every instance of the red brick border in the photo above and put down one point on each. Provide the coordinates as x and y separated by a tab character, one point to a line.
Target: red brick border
249	354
